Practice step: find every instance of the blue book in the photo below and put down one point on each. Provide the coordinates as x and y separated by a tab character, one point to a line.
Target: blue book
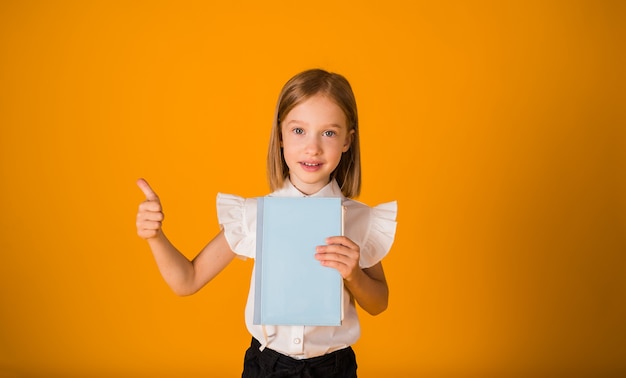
292	287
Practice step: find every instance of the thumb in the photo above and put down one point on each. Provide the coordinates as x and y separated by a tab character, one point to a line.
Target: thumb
147	190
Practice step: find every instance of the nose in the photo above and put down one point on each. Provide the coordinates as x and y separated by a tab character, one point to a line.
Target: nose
313	145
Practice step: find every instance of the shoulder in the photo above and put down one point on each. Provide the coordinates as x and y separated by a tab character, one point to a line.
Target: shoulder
373	228
357	210
237	217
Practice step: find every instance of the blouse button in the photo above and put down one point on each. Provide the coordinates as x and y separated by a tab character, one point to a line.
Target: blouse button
296	341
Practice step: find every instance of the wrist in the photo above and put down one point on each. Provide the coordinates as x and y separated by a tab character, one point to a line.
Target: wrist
354	277
157	239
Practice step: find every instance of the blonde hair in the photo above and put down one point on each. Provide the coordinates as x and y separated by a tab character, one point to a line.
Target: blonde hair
298	89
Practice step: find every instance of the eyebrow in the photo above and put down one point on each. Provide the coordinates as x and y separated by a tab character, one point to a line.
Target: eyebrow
335	125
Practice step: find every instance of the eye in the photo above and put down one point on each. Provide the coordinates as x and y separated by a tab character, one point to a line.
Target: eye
298	130
329	133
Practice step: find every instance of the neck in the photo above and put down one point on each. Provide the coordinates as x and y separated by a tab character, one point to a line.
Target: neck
307	190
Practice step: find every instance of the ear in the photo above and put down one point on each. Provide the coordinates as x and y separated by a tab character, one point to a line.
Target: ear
348	141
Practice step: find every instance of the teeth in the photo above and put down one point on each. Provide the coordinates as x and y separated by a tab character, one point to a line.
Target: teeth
310	165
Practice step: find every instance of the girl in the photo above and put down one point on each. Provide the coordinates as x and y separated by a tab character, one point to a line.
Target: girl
313	151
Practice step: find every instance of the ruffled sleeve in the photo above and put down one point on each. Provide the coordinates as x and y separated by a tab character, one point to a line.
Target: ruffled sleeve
374	228
237	217
381	231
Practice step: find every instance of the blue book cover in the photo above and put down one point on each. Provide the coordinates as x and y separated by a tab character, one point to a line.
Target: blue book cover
292	287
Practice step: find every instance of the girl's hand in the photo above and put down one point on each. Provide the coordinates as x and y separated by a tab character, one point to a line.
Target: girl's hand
150	214
342	254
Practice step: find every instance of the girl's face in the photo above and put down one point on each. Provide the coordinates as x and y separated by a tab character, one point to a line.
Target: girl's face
315	135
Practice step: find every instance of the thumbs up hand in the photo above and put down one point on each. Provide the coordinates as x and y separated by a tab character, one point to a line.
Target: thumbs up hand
150	214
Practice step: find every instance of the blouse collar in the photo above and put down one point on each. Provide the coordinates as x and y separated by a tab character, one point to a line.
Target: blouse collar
332	189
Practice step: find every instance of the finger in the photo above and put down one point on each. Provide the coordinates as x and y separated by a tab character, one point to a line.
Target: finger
150	206
147	190
337	253
326	256
150	216
343	268
342	247
146	225
147	233
341	240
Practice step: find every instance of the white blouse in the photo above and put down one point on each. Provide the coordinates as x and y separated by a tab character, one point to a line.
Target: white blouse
372	228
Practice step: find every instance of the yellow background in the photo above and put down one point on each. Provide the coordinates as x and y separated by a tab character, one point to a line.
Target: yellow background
499	126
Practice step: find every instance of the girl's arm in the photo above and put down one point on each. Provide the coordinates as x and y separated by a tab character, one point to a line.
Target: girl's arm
368	286
183	276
